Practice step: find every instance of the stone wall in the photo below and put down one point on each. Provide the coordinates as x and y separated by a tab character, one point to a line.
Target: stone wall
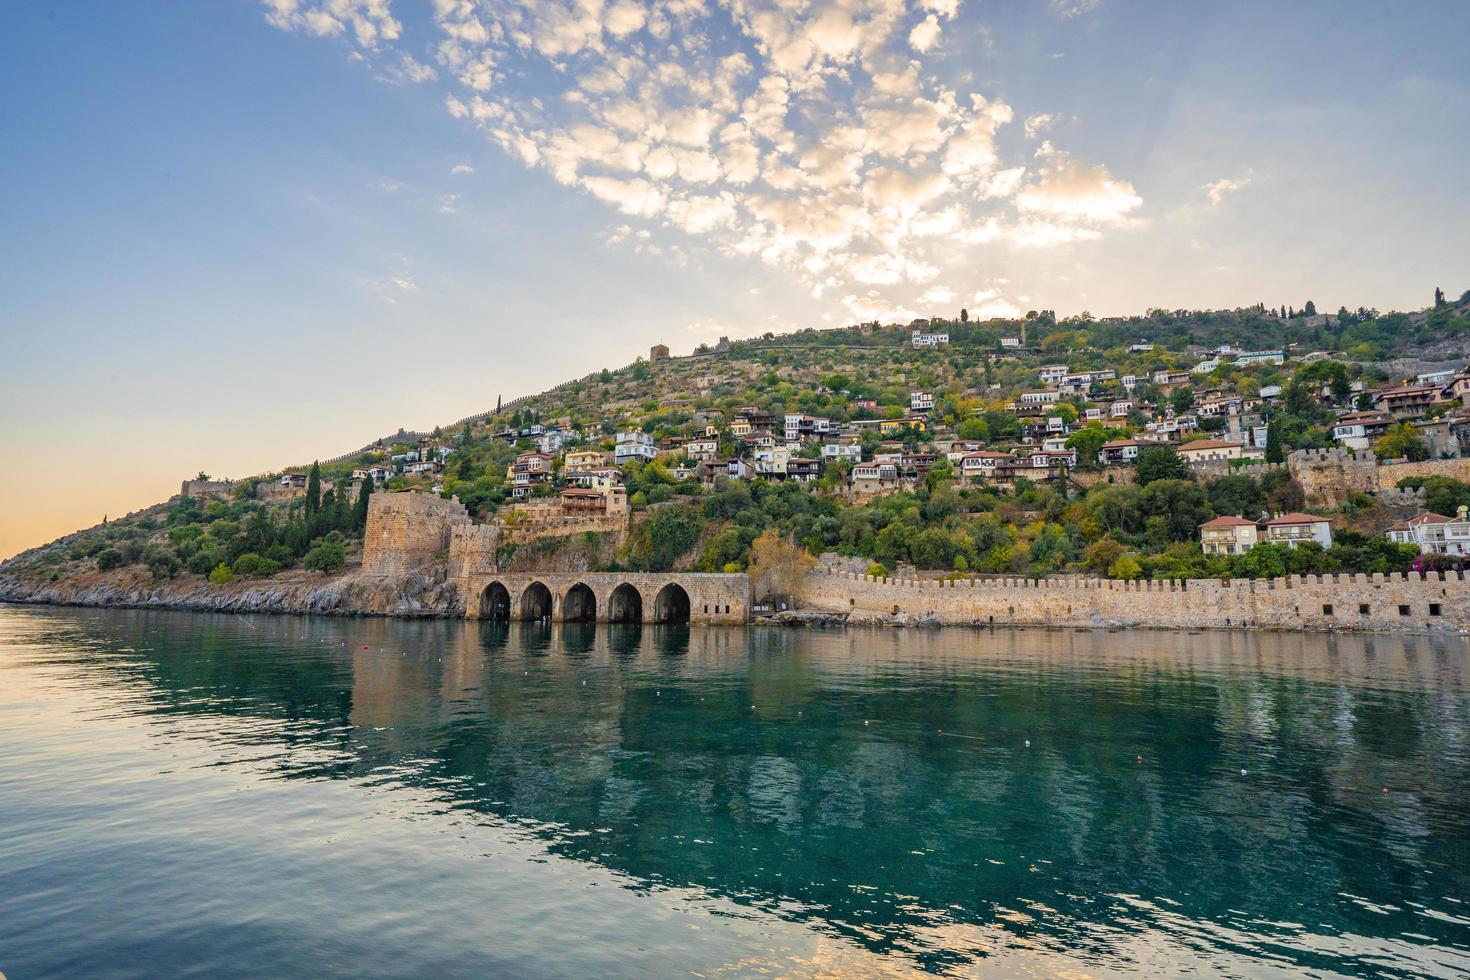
1377	602
206	488
405	530
713	597
1388	476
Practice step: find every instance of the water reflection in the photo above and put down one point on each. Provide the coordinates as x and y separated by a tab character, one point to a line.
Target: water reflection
921	794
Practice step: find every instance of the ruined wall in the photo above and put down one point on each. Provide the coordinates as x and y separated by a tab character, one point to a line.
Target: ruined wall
206	488
1379	602
1330	476
405	530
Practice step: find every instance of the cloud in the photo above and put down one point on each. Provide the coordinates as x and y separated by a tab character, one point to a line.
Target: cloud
1067	9
1069	190
448	203
825	138
1039	123
461	168
1225	186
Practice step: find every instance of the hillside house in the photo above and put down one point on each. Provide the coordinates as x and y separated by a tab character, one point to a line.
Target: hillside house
1228	536
833	451
296	481
1293	529
1247	358
702	450
1212	450
1405	398
633	445
1358	430
874	477
803	470
922	339
528	471
921	401
1434	534
1120	452
581	460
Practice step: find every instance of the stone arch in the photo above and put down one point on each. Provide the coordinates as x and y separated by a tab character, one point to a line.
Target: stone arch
671	605
495	602
579	605
536	603
625	605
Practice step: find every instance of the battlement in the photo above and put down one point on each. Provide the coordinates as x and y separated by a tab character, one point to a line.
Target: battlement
1399	601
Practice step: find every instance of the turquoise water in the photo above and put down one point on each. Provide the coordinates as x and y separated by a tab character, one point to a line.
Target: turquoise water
216	796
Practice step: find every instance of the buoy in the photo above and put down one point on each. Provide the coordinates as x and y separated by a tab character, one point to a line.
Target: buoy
1242	772
1028	743
1140	758
1385	791
864	722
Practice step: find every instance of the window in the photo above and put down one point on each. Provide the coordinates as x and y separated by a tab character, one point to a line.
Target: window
1403	610
1362	609
1434	609
1327	609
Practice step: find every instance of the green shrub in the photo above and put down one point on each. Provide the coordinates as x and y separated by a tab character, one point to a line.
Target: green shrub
108	559
325	557
878	570
221	574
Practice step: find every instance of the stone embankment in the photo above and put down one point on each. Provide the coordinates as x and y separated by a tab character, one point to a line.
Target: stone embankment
421	592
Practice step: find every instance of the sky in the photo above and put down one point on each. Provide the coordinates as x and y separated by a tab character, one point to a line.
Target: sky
241	235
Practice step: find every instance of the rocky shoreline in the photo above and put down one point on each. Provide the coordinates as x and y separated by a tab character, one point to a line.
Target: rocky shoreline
419	593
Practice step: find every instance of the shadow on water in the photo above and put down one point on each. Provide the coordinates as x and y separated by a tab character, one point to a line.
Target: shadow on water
894	785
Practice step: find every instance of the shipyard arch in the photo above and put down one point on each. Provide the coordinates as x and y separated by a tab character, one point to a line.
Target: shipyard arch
625	605
495	603
535	603
579	605
671	605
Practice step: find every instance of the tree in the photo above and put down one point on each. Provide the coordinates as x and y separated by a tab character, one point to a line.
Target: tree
778	565
1310	309
108	559
1181	398
1161	463
1125	567
1087	441
1401	441
671	532
1274	451
965	314
326	556
313	492
360	508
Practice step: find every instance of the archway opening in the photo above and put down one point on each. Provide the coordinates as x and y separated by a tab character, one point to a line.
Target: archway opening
625	605
671	605
495	603
579	605
536	603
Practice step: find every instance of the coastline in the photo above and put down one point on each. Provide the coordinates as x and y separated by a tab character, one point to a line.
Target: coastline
845	601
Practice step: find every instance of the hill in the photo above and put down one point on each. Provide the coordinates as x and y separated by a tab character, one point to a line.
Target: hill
777	436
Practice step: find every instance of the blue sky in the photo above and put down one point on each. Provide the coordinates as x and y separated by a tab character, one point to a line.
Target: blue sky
241	234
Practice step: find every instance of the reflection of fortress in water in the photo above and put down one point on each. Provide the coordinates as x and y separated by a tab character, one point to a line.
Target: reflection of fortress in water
750	761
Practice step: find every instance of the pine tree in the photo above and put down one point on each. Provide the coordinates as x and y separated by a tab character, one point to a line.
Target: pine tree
313	493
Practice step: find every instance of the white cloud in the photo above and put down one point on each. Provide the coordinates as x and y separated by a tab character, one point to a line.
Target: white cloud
822	137
1067	9
1039	123
1218	190
448	203
1067	189
461	168
925	34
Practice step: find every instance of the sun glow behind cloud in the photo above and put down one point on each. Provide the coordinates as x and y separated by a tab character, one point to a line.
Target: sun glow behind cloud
817	137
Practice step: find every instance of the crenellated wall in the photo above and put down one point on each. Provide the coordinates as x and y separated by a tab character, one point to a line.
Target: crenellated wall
1378	602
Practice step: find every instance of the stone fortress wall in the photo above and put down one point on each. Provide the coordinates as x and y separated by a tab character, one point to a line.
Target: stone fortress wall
1371	602
406	530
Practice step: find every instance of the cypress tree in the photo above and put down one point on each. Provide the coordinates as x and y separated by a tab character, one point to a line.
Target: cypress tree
359	512
313	493
1274	452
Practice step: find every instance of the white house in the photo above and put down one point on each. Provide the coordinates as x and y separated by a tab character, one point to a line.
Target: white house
922	339
1228	536
1434	533
1293	529
1052	373
832	451
1259	357
633	445
921	401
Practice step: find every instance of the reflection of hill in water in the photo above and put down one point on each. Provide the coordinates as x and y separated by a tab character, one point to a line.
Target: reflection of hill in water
807	772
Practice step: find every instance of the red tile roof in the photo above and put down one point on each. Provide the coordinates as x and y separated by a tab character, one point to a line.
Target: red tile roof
1228	521
1296	518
